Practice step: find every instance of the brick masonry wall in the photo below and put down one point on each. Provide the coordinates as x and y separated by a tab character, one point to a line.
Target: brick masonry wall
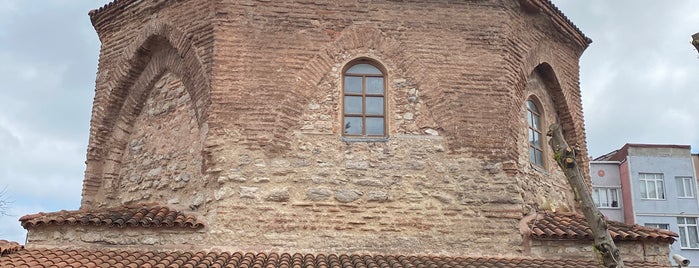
262	121
138	47
449	80
547	185
534	46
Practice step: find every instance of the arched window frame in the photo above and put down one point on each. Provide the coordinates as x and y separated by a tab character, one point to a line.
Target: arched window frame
365	95
535	119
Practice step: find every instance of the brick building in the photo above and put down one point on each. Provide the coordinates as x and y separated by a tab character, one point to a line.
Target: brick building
365	128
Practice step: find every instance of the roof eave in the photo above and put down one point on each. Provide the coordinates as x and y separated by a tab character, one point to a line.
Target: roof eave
99	15
561	20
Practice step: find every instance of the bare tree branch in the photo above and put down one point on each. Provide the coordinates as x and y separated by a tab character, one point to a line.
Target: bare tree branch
565	157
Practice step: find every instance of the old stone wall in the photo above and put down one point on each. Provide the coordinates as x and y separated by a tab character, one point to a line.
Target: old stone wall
162	160
138	47
259	137
72	236
406	195
657	252
451	177
545	185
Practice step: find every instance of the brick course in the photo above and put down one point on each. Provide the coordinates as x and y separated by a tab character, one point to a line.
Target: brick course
250	95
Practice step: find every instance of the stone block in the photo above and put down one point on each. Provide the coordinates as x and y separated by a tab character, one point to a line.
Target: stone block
347	195
278	195
318	194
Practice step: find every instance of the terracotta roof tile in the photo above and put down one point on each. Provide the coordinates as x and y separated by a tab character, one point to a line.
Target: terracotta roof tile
114	4
142	215
7	247
119	258
550	225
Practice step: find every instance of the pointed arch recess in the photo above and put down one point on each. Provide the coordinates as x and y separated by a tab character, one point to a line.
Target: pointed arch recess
567	102
160	48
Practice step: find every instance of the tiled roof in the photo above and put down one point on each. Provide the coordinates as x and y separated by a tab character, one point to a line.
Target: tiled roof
122	258
549	225
547	3
144	215
7	247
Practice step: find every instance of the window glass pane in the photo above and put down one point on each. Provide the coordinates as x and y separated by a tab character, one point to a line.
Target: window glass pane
353	84
535	122
651	190
603	198
537	140
374	105
532	106
691	220
693	239
595	197
532	155
363	68
661	191
688	187
685	187
531	136
644	192
614	198
374	126
529	118
539	158
683	237
353	125
374	85
663	226
353	105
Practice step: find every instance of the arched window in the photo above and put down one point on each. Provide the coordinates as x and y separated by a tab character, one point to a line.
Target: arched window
536	153
364	102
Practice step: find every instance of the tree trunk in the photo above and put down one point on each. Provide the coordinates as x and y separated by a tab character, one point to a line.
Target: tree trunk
565	157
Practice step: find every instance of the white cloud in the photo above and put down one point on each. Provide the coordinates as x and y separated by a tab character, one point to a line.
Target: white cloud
638	82
8	7
35	164
48	58
637	75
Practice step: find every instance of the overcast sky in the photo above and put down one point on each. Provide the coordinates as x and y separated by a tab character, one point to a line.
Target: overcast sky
636	80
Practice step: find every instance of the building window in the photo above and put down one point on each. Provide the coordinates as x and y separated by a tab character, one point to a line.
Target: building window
652	186
688	232
536	153
685	187
605	197
364	101
663	226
